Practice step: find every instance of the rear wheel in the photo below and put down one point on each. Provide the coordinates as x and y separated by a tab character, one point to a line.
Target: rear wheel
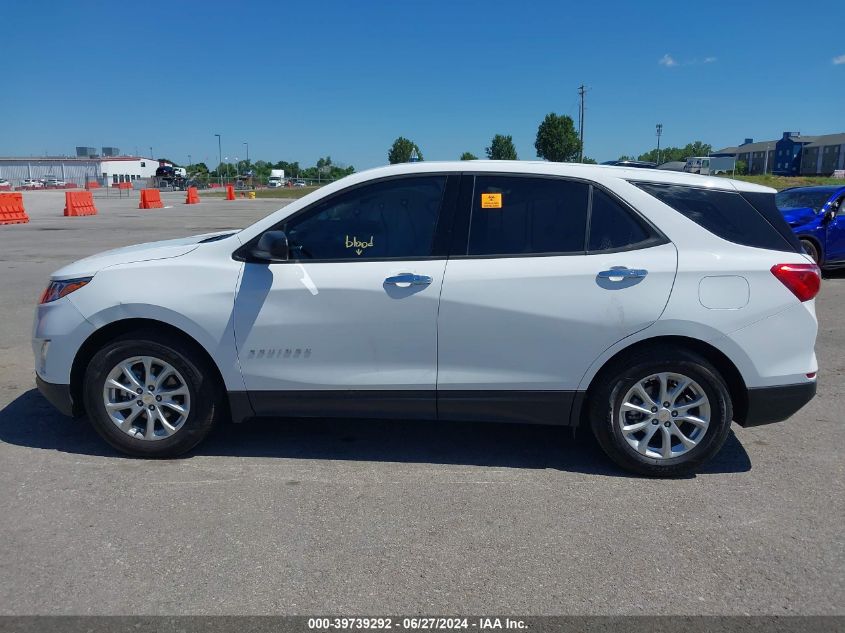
661	412
811	249
151	396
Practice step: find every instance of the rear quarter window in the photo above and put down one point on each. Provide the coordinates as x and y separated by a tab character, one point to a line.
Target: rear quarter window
726	214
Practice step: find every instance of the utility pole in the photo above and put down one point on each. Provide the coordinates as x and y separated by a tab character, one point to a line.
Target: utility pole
581	92
659	128
220	154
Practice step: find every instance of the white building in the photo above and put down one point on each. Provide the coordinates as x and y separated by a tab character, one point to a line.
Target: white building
105	170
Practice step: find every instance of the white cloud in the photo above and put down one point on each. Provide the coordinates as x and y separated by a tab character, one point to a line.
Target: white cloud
667	60
709	60
839	59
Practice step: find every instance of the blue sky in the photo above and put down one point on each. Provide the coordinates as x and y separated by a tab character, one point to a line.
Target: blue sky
298	81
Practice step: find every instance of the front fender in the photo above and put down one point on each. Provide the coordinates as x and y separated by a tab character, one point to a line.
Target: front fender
193	294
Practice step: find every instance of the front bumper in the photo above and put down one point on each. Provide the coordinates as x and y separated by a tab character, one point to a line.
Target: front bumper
60	323
774	404
58	395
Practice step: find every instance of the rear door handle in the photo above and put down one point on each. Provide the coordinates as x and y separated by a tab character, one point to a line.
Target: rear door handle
408	278
622	272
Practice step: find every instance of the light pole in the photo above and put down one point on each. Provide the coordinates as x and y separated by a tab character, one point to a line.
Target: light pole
220	159
659	134
190	162
247	152
151	153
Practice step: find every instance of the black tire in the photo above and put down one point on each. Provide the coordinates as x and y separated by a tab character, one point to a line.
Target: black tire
613	383
811	249
206	395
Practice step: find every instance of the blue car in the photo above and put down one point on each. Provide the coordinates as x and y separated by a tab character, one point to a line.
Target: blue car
817	216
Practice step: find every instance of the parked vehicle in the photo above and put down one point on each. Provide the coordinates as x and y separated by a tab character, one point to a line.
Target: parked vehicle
817	216
5	185
32	183
300	183
171	177
641	164
642	304
277	178
710	165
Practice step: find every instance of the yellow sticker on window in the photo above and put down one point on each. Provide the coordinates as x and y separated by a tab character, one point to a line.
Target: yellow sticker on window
491	201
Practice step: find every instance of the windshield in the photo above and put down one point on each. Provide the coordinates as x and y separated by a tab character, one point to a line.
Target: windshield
799	198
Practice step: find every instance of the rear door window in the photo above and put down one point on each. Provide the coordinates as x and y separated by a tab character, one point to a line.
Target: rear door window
527	215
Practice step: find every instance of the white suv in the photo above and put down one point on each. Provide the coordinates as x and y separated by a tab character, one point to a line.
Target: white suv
654	306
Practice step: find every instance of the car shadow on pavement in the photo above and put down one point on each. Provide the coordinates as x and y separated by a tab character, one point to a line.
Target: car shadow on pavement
31	421
838	273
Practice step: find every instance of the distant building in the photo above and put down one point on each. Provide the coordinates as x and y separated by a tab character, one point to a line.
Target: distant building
791	155
106	170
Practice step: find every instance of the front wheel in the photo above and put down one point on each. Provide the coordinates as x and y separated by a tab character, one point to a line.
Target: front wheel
151	396
662	412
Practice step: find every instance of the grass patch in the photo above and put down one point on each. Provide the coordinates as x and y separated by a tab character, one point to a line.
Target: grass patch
784	182
280	192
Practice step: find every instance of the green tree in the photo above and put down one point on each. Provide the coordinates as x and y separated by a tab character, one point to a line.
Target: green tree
261	169
401	150
589	161
468	156
557	140
501	148
741	167
199	168
696	148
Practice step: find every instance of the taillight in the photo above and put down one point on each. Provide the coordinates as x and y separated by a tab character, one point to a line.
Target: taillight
804	280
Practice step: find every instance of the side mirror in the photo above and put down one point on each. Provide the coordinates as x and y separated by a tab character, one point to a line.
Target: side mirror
272	247
830	214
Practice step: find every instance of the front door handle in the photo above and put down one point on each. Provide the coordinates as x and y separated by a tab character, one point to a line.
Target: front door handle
622	272
408	278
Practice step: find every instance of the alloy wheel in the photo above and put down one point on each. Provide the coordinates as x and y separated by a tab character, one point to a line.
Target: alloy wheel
146	398
664	415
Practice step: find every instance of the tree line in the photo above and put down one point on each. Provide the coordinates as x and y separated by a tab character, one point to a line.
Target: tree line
557	141
668	154
325	169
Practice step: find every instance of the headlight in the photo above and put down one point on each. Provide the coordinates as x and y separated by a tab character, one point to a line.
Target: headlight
59	289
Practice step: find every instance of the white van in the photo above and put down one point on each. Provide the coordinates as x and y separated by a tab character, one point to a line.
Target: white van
709	165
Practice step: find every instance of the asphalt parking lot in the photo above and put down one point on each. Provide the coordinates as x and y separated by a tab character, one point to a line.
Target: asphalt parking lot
307	517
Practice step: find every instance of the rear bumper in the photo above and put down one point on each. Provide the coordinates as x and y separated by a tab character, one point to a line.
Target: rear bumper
774	404
58	395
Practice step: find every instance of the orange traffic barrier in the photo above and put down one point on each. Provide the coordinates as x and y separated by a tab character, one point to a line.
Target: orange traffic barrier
79	203
193	196
11	209
92	184
151	199
230	192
